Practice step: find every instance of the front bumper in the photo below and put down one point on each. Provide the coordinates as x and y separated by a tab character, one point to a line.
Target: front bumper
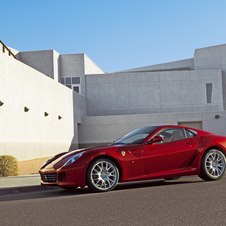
64	177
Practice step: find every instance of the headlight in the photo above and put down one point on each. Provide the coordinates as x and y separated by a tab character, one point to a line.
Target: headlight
47	161
73	159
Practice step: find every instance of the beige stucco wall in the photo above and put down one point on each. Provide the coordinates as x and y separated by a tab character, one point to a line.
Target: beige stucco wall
29	135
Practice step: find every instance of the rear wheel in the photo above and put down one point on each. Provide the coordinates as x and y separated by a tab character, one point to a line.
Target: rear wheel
102	175
212	165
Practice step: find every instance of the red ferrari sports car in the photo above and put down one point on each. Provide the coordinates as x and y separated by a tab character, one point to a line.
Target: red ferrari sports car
151	152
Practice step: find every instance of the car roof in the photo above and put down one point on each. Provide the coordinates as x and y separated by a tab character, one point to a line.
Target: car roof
199	131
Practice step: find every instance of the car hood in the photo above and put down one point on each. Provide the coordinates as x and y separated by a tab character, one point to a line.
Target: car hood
60	161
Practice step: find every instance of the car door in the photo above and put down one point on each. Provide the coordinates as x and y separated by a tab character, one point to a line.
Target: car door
175	152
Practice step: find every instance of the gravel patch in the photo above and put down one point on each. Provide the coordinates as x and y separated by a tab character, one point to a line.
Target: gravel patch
31	166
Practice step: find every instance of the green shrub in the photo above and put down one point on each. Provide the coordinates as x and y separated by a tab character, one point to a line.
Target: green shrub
8	166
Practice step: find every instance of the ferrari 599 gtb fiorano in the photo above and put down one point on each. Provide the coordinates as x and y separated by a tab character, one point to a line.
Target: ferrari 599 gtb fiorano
151	152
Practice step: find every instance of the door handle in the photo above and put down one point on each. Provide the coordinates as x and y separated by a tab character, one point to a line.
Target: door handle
190	143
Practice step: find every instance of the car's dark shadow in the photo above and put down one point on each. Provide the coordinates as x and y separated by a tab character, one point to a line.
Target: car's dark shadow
155	183
86	191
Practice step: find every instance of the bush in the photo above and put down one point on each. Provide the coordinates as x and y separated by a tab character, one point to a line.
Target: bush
8	166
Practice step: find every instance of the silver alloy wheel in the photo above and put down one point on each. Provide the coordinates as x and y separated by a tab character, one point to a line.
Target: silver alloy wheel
214	163
104	175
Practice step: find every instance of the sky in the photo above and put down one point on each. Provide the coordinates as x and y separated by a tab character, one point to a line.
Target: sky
116	35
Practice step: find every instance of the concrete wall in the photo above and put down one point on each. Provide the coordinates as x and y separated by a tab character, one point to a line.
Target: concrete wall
31	134
77	65
212	58
91	67
72	65
153	92
110	106
102	130
42	61
56	66
176	65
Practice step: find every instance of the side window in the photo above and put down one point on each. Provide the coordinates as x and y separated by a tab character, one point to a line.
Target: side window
190	133
172	134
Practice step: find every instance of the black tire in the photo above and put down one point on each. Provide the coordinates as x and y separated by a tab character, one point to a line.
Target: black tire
102	175
212	165
172	178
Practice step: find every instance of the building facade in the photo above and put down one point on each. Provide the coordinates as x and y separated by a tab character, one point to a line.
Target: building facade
53	102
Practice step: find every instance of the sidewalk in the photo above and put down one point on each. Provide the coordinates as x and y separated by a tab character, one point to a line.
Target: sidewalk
17	184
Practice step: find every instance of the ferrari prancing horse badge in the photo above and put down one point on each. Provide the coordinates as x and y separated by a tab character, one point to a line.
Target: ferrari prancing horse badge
123	153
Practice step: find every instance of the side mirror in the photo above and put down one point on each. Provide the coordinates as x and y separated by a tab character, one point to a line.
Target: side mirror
155	139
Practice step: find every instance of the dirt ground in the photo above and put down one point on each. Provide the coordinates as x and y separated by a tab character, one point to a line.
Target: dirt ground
31	166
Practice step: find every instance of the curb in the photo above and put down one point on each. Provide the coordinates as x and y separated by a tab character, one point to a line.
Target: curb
24	189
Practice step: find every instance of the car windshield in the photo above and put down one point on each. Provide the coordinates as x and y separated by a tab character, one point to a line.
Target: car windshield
136	136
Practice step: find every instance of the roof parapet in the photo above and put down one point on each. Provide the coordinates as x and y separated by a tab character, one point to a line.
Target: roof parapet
6	50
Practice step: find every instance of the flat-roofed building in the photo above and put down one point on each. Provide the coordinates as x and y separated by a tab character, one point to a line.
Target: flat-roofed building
51	102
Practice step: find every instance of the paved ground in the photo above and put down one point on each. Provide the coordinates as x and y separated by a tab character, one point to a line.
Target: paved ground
187	201
9	182
18	184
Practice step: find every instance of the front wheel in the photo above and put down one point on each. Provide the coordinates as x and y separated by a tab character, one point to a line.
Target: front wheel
212	165
102	175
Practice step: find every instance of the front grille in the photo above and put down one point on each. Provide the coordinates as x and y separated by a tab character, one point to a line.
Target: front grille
49	177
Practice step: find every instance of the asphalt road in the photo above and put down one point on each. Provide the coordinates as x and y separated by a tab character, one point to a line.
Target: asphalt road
186	201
